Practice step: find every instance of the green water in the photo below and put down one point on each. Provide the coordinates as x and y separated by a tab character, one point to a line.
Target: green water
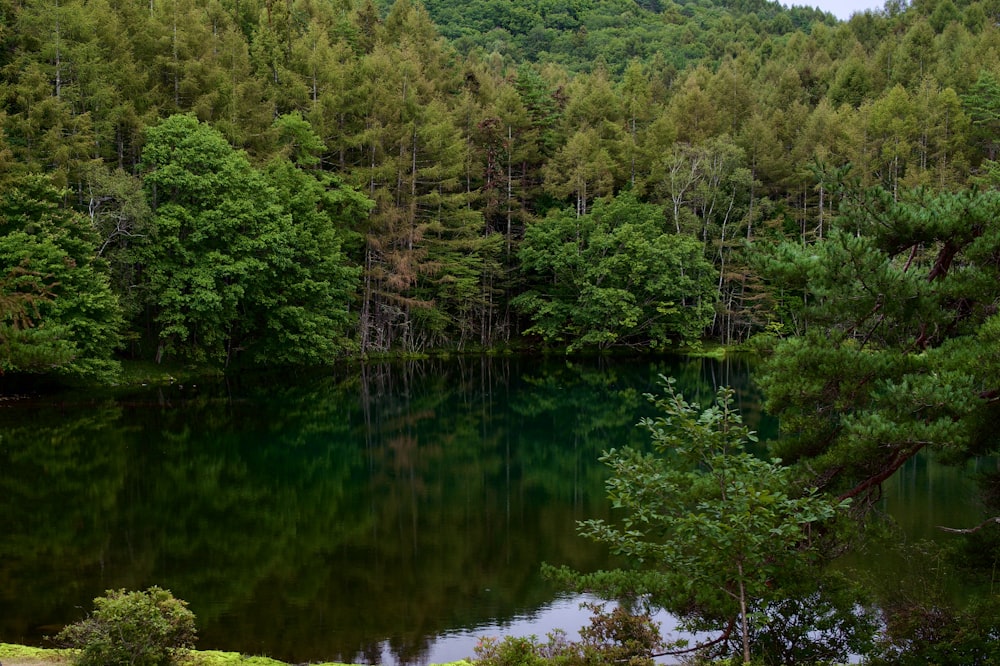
379	514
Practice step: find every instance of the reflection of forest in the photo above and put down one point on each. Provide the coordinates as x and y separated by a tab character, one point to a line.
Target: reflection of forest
317	518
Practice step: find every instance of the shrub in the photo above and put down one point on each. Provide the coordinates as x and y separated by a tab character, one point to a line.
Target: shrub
150	628
510	651
620	637
613	637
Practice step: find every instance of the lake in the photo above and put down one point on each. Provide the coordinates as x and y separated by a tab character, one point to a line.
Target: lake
388	513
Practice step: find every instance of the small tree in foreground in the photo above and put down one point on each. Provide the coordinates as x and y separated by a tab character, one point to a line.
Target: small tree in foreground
615	636
149	628
715	529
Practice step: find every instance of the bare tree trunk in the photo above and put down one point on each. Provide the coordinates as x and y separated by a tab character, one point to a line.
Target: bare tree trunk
744	619
58	55
822	192
510	150
364	319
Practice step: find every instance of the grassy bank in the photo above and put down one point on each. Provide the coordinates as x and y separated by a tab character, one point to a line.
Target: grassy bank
21	655
142	373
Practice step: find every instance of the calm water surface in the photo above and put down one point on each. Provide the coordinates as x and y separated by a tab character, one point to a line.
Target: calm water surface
386	514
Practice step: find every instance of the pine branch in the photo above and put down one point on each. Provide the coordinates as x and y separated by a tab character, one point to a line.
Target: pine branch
901	457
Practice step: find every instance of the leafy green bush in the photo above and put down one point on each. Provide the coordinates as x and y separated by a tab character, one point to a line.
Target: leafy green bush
150	628
509	651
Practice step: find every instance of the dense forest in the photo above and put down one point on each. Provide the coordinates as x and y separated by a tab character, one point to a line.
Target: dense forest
249	181
254	182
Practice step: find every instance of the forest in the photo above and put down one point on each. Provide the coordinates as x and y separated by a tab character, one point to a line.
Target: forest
268	183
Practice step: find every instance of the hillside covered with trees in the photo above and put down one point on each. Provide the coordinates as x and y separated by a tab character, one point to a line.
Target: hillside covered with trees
289	182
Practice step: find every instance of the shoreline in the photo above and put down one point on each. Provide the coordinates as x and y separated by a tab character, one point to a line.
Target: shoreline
12	654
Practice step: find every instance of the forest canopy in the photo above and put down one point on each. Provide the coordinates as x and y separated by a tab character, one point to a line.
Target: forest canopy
288	183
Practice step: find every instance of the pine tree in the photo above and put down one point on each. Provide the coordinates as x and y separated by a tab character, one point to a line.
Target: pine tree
899	354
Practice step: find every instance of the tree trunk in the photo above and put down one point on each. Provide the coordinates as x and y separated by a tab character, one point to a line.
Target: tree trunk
744	620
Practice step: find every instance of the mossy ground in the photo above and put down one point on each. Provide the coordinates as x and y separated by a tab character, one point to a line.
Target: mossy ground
21	655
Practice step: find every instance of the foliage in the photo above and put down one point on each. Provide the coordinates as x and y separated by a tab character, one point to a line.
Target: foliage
148	628
927	631
214	158
57	312
509	651
923	620
307	319
612	637
900	356
619	637
244	261
721	533
122	221
821	619
615	277
579	33
901	353
216	221
465	123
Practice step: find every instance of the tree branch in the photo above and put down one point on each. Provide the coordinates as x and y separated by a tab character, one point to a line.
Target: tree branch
970	530
901	457
701	646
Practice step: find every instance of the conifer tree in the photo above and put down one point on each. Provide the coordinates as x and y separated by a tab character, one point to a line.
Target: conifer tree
982	103
899	353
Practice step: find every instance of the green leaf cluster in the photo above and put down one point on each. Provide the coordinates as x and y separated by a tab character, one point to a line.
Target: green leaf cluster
244	260
466	124
614	276
57	311
900	352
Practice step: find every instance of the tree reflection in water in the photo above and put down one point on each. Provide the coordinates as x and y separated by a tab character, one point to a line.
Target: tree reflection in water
339	517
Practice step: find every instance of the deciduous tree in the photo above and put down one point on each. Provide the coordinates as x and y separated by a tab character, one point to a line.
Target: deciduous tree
716	531
615	276
57	312
241	261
